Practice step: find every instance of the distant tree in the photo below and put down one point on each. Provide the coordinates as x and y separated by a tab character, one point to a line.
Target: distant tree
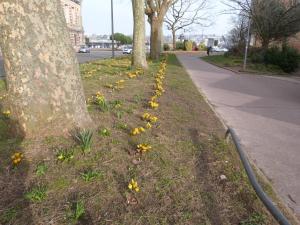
272	20
237	36
216	42
139	36
122	39
185	13
156	11
44	85
87	40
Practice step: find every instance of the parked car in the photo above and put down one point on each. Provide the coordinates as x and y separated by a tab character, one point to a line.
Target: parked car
127	50
218	49
84	49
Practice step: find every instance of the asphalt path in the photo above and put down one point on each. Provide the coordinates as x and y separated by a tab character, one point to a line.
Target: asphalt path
265	113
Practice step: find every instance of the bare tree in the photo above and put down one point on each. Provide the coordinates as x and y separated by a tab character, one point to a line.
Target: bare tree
139	51
44	85
156	11
185	13
272	20
238	35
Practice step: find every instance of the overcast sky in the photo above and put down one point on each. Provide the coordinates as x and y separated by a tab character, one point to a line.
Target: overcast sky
96	18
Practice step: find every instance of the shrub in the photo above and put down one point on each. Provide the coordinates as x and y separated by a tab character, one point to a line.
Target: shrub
188	45
202	47
287	58
166	47
257	57
179	45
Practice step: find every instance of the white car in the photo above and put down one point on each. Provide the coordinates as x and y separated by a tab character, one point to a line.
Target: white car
127	50
218	49
84	49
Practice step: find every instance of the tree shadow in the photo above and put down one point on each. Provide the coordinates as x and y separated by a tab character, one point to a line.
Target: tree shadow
204	174
14	208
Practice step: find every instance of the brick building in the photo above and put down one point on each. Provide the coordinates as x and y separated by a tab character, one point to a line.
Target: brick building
72	10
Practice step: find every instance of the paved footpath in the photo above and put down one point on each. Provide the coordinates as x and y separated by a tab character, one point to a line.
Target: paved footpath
265	112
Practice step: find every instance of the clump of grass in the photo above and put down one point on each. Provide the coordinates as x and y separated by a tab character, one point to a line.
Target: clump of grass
8	216
90	175
104	132
36	194
65	155
84	138
41	169
119	114
138	98
254	219
76	211
121	126
116	104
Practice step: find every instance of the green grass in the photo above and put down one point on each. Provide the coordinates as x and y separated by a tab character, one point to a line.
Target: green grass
2	85
36	194
8	216
41	169
90	175
84	139
236	63
76	212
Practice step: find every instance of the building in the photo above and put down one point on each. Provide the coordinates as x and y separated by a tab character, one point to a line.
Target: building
72	11
100	41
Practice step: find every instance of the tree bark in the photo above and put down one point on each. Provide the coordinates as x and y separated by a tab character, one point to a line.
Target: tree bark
174	39
44	85
139	36
155	39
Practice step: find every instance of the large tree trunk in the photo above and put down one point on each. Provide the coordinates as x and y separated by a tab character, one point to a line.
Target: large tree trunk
45	90
155	39
174	39
139	50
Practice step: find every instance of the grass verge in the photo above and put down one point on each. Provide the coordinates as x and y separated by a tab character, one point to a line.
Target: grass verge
190	176
236	63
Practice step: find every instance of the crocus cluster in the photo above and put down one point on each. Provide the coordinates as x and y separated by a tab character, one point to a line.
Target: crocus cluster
6	113
135	74
137	130
99	98
159	90
118	85
142	148
16	158
133	186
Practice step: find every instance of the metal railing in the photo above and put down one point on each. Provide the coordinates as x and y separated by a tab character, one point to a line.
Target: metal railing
276	213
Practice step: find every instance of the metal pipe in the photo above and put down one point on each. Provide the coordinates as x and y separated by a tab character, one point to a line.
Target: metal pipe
277	214
112	29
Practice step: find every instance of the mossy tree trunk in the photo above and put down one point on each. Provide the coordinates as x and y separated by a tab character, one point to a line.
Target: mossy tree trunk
139	50
44	85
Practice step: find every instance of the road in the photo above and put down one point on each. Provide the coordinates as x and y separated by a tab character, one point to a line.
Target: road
94	55
265	113
82	57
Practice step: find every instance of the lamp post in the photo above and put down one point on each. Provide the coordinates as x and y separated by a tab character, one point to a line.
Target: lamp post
112	29
247	44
